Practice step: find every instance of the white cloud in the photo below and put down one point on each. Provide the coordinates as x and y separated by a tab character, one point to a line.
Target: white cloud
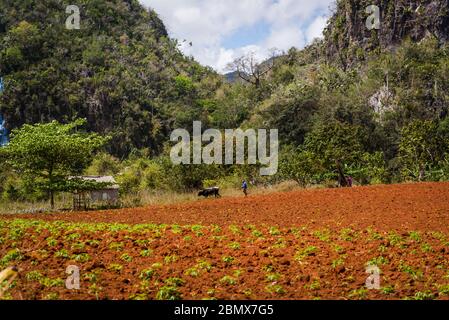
315	30
286	37
187	15
224	57
206	23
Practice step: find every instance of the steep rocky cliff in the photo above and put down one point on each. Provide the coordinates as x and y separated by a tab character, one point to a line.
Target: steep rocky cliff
347	38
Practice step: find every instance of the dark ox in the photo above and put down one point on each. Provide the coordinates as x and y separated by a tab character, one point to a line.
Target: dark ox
210	192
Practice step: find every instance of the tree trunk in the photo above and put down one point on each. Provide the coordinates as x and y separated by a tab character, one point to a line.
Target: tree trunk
52	192
343	183
52	199
422	173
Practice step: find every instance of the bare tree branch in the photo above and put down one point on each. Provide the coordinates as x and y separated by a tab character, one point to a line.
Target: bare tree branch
250	70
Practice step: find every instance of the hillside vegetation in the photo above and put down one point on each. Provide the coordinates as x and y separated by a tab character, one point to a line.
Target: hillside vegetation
120	71
372	104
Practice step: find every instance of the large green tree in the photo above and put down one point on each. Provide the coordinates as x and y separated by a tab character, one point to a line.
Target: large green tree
300	166
48	154
336	145
424	144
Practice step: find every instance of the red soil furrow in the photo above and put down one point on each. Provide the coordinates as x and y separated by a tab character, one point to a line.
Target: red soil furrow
405	207
247	272
244	261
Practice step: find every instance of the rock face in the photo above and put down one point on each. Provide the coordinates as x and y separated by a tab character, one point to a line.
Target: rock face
382	101
348	39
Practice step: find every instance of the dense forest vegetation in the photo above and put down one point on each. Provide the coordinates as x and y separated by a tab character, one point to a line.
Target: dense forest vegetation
373	105
120	71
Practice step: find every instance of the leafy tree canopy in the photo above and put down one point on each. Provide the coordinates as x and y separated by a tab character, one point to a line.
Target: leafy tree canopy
50	153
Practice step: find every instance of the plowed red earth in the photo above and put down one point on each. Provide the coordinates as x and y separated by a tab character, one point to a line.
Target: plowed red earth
403	207
298	245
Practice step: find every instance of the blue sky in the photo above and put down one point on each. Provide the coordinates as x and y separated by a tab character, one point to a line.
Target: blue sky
222	30
247	35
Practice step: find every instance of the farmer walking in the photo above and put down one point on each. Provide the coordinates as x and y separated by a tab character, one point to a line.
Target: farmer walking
245	188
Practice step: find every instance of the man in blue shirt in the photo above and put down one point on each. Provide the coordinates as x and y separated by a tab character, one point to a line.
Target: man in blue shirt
245	188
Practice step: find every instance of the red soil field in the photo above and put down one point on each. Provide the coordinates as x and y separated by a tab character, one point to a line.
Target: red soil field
312	244
406	207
